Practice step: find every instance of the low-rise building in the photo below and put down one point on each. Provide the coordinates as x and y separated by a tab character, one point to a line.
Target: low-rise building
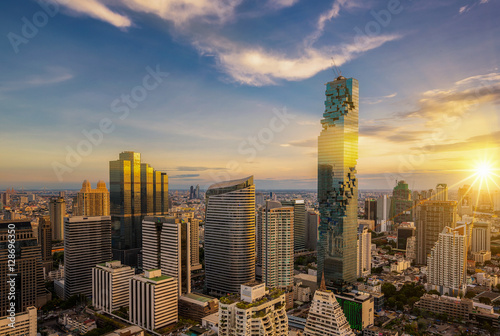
359	309
257	313
451	306
110	285
153	300
481	256
25	324
196	306
129	331
211	322
77	323
377	331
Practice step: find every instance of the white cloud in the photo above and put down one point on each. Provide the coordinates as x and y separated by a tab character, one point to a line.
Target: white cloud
51	75
95	9
181	12
250	65
257	66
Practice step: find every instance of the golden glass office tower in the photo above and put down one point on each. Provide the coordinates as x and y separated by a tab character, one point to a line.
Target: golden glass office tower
136	190
337	183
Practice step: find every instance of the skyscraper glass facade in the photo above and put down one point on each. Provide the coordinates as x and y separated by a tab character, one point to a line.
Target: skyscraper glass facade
337	183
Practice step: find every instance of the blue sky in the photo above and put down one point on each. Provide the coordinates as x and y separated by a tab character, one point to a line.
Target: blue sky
428	74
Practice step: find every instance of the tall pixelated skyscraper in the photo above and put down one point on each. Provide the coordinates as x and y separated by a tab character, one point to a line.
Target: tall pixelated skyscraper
337	183
136	190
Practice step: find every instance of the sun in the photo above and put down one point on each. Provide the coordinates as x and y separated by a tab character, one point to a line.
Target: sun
484	170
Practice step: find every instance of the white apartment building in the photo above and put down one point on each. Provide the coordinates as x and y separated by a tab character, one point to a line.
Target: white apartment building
110	285
153	300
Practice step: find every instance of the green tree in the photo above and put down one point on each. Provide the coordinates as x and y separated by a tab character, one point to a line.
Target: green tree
433	291
412	301
388	289
485	300
470	295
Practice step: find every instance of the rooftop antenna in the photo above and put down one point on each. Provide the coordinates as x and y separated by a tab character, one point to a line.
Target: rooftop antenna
335	68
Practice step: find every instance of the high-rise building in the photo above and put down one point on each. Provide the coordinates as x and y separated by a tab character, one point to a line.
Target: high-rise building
441	192
197	191
465	200
277	244
194	226
153	300
447	263
87	242
5	198
405	231
191	192
230	235
299	224
257	313
166	245
371	209
136	190
25	324
312	226
110	285
364	253
401	203
326	316
45	242
383	213
481	237
431	218
92	202
496	201
26	274
337	182
57	211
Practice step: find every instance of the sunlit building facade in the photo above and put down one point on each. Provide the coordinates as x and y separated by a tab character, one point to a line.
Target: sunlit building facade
447	262
57	211
136	190
230	235
337	182
299	223
92	202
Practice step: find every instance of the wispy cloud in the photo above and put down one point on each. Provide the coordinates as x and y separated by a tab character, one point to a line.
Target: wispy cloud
281	3
302	143
51	75
188	168
467	8
182	176
377	100
458	99
97	10
489	140
257	66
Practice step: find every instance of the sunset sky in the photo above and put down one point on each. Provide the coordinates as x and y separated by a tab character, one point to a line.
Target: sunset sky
428	74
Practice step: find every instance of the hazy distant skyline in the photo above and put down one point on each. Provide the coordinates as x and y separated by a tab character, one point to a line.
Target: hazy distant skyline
428	74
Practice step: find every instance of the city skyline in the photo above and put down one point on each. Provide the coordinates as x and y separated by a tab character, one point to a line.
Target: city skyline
421	121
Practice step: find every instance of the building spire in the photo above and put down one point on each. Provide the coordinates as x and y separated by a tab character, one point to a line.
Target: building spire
322	287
